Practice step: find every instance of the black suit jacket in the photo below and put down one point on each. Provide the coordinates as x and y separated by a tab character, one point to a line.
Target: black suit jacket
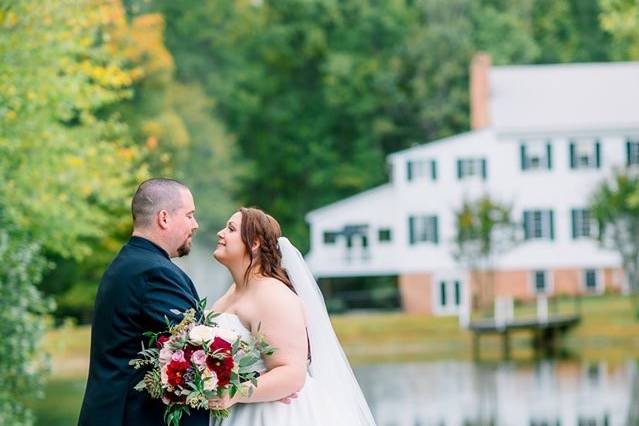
137	291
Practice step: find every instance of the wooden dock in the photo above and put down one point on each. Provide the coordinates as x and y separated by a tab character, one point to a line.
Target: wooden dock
546	332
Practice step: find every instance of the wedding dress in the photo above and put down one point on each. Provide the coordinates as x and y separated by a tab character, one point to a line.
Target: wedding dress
331	394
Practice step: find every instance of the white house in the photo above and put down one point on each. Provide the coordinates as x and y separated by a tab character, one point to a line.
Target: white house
543	137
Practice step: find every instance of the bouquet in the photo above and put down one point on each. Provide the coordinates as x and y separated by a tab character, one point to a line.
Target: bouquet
196	360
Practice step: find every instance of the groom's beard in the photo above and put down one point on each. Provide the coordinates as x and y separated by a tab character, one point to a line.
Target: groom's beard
185	248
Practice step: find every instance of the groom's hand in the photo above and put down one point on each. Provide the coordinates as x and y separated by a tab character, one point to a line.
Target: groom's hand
289	399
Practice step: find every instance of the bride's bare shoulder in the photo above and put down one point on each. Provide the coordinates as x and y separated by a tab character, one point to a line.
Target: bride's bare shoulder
275	292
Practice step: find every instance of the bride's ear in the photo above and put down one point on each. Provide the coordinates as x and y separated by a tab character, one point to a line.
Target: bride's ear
256	245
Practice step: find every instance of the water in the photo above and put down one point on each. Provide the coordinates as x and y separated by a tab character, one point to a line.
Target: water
549	393
447	393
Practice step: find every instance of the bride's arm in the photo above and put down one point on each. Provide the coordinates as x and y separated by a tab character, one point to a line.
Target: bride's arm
279	314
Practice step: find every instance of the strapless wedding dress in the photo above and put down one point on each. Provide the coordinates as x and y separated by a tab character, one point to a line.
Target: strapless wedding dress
314	405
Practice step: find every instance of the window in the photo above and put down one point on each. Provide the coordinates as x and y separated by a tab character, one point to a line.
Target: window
421	169
468	167
583	225
585	154
632	151
535	155
539	224
540	282
423	229
591	281
457	288
330	237
384	235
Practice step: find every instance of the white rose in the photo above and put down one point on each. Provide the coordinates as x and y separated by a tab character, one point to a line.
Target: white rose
210	380
201	333
226	334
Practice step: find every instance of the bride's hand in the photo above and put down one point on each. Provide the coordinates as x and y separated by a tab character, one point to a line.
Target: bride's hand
222	403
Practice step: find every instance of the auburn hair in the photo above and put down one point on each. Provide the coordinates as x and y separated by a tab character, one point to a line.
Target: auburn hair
260	227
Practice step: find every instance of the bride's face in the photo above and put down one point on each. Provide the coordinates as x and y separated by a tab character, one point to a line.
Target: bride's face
230	247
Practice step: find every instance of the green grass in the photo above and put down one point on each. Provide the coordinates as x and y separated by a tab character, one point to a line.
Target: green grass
61	406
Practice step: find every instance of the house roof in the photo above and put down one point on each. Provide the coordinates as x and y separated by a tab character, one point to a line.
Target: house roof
564	97
362	197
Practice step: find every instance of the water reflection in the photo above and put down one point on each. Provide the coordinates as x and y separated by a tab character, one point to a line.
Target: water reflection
549	393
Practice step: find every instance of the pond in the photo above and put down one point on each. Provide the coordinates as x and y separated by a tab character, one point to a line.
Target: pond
457	393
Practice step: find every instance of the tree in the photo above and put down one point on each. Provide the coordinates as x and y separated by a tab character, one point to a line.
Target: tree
615	207
66	163
620	18
484	230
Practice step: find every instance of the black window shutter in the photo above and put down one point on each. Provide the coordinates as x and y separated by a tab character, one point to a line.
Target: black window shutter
409	170
597	154
459	169
549	155
627	153
522	156
573	162
551	221
573	214
435	230
411	229
526	225
433	169
484	171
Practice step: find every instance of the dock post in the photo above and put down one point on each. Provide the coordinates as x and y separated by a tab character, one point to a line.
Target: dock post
505	342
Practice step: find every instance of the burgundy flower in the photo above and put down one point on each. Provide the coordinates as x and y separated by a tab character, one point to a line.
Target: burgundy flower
188	351
222	361
161	340
175	371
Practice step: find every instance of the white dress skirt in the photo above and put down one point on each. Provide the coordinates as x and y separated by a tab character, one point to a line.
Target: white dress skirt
313	406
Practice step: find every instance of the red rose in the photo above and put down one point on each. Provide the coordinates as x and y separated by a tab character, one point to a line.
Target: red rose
161	340
222	362
220	345
175	371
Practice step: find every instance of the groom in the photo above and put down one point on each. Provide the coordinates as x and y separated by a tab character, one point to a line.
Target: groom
138	290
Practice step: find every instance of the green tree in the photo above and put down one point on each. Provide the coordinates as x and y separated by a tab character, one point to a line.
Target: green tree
615	207
484	230
66	163
620	18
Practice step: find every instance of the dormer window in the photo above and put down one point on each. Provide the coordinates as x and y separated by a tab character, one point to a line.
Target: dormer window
535	155
421	169
585	154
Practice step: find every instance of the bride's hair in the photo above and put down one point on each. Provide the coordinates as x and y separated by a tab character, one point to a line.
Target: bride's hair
258	226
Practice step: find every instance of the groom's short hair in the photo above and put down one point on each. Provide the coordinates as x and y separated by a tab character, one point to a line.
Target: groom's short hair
154	195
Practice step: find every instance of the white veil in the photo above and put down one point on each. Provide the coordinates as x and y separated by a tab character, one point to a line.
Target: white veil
329	365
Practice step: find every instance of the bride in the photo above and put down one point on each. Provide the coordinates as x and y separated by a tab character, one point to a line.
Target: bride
275	293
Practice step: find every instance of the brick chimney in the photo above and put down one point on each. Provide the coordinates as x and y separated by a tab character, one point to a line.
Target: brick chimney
480	91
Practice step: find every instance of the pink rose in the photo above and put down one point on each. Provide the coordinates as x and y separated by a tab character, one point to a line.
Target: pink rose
178	355
199	357
165	355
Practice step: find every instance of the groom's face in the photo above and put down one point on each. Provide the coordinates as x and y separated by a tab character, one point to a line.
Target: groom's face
184	224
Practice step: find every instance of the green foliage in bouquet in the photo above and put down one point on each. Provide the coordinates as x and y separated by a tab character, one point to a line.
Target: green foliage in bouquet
196	360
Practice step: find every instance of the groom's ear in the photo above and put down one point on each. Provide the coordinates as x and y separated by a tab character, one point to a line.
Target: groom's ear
163	219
